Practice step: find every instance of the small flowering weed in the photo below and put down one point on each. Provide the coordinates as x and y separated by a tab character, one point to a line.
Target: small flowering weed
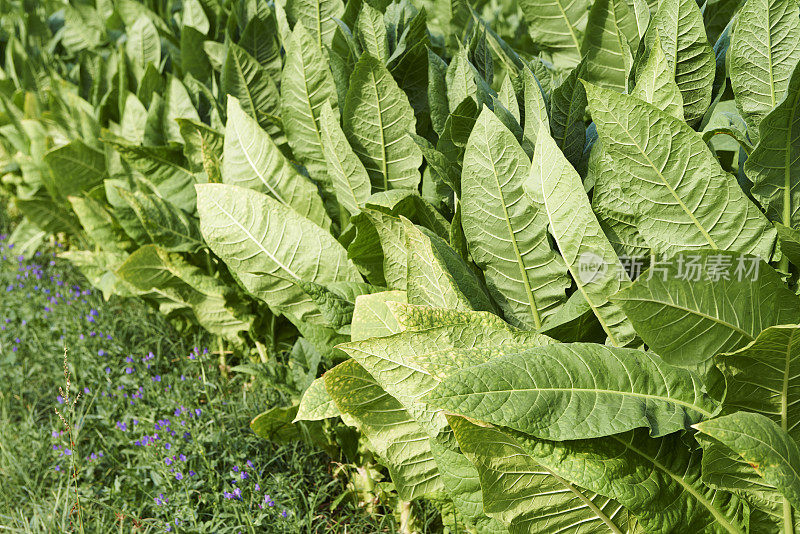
157	440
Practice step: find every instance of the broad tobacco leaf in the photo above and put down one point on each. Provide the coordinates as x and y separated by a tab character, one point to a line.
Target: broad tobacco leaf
656	480
166	225
317	16
774	164
527	497
438	276
765	447
377	119
506	230
259	239
764	377
557	26
665	168
306	84
611	36
394	435
765	47
589	256
251	159
576	391
349	178
678	25
373	318
152	268
700	303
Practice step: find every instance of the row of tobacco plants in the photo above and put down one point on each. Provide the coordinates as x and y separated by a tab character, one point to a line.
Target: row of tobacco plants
534	263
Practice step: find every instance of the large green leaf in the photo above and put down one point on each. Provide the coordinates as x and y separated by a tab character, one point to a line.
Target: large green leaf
462	482
438	276
201	142
395	437
590	258
506	230
567	109
678	24
166	225
701	303
251	159
617	216
656	480
761	379
143	45
99	224
163	167
655	82
348	176
260	39
684	199
395	361
508	97
611	34
393	245
49	216
766	447
377	119
534	105
556	26
789	241
764	377
614	211
76	168
316	404
370	31
317	16
260	240
576	391
774	165
306	84
437	91
245	79
177	105
528	497
100	269
765	47
464	81
170	276
408	203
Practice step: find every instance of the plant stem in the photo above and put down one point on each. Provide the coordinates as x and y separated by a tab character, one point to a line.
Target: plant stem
223	363
407	518
788	517
262	351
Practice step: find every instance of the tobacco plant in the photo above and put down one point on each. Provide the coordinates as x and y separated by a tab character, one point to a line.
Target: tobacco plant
546	253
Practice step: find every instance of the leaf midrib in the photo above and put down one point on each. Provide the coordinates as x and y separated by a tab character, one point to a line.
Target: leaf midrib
690	311
787	176
253	164
589	300
668	186
384	155
599	391
721	519
587	501
254	240
520	264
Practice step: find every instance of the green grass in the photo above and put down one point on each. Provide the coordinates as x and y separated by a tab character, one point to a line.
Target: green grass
120	484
